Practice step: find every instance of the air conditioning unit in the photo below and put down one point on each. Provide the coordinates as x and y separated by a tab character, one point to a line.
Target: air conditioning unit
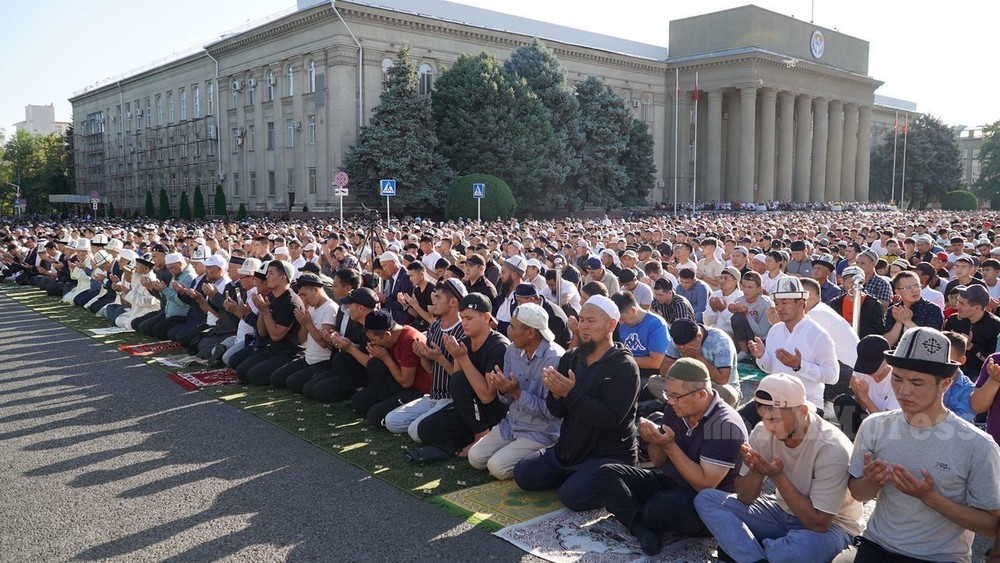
297	125
237	86
114	118
138	112
239	141
251	82
635	103
222	177
211	131
271	80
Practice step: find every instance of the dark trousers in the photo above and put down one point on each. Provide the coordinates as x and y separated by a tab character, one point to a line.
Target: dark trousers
137	322
184	332
82	298
298	369
871	552
258	368
649	497
159	326
346	377
237	359
843	384
849	414
106	299
577	483
383	394
456	425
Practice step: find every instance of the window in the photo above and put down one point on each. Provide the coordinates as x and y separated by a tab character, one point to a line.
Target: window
236	96
210	97
237	139
270	183
251	138
236	186
159	110
290	180
120	119
270	87
290	81
425	79
269	141
646	109
128	117
149	113
311	71
251	86
386	66
184	147
253	185
184	104
312	181
170	107
197	102
291	123
138	115
311	120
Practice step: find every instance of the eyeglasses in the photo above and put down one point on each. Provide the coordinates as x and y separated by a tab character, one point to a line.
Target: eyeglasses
908	287
675	397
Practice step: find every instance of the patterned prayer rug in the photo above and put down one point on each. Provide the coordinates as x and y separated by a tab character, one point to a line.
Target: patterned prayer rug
206	378
596	537
152	348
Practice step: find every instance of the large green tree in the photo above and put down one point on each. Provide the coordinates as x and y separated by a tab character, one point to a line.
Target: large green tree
932	168
602	177
490	123
537	66
164	212
184	207
639	164
988	184
37	163
198	206
398	143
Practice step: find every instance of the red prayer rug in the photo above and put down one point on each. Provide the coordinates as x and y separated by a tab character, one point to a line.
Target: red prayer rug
206	378
149	349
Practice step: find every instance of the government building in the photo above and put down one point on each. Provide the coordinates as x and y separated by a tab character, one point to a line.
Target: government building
783	109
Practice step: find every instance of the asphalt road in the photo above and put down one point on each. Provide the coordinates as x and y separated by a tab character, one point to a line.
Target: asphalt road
104	458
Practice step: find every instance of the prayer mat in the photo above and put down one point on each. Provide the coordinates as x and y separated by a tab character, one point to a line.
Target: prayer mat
180	361
207	378
109	330
596	537
502	503
152	348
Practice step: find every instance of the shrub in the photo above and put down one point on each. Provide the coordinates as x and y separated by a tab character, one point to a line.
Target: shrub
960	200
220	201
499	200
242	213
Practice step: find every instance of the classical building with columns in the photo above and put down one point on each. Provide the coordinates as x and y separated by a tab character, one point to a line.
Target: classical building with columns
267	112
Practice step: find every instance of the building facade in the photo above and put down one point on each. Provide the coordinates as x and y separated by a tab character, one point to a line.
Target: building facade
41	120
783	110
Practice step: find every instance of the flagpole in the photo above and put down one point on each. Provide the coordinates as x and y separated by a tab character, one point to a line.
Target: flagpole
677	95
694	169
902	179
895	136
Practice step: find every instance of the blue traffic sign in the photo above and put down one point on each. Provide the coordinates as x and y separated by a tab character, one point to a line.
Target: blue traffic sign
479	191
387	188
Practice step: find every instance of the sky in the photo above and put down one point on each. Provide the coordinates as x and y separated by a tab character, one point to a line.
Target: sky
937	57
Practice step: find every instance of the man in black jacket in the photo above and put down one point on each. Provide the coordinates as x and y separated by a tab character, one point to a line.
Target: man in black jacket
594	391
872	314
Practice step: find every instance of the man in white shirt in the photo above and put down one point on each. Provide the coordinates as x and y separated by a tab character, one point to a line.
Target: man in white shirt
772	271
927	275
842	333
871	386
717	313
797	346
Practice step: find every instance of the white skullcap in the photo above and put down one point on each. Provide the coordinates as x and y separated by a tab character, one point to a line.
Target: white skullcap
174	258
606	305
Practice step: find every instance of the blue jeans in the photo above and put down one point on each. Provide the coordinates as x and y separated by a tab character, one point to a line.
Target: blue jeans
763	531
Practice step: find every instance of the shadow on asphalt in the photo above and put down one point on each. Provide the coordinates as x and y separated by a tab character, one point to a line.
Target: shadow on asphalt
113	423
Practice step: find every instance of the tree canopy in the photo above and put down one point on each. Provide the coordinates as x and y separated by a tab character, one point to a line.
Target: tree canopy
988	184
933	165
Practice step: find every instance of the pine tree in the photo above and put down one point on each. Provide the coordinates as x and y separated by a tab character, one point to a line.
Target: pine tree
184	208
198	207
242	213
110	210
539	68
164	212
490	123
220	202
639	164
150	211
602	178
398	143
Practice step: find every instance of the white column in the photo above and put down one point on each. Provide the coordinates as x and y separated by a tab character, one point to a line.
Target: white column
862	170
849	170
748	136
817	182
713	173
786	147
803	146
765	176
835	152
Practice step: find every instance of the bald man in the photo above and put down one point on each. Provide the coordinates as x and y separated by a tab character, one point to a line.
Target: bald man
594	391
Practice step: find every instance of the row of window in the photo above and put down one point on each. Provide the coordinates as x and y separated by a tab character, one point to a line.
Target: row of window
248	137
425	77
272	183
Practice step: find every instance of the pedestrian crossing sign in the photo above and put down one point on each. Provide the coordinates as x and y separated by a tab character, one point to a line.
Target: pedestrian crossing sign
387	188
478	191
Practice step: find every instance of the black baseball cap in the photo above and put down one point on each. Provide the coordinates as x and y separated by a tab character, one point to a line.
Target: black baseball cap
683	330
871	354
362	296
476	302
379	321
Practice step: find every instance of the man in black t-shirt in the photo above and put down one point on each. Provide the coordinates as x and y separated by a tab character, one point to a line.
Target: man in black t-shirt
474	409
277	323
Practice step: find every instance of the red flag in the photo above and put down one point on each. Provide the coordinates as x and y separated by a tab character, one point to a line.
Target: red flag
895	124
696	94
906	125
